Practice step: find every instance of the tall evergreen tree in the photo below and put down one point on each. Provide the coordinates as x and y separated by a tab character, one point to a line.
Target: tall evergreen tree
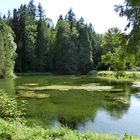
23	21
97	52
70	17
65	51
15	24
42	42
30	42
24	27
41	14
85	60
32	10
95	48
68	48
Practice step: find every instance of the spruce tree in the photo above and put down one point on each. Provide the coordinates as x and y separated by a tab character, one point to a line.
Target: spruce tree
85	60
70	17
65	51
42	42
24	26
32	10
24	19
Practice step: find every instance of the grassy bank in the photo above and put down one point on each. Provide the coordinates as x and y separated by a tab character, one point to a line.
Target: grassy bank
16	131
126	76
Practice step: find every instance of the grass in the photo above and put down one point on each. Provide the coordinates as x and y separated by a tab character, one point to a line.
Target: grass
32	94
73	99
127	76
55	80
87	87
16	131
74	107
35	74
57	102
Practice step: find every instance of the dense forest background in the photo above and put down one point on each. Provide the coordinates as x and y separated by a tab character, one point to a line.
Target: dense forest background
29	42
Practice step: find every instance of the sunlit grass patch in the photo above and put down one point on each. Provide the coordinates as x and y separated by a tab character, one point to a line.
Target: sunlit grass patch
87	87
127	76
31	84
67	87
32	94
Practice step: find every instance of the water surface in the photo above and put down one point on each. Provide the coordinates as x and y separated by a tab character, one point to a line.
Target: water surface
113	112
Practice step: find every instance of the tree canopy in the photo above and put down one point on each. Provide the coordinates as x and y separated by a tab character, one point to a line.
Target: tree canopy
70	47
7	50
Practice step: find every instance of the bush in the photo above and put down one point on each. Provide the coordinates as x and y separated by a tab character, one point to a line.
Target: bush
93	73
9	108
15	131
106	73
126	75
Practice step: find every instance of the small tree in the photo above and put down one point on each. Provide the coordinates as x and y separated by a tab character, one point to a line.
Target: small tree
7	51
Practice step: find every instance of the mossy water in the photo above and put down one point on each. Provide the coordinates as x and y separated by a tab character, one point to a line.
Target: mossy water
113	111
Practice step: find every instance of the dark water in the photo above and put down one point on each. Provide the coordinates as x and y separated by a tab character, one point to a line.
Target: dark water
113	112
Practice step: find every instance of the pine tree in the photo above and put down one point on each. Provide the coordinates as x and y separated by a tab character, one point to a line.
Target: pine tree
70	17
30	42
42	42
32	10
96	51
24	26
85	60
23	21
65	50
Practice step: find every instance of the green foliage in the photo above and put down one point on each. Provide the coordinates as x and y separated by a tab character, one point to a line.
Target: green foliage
7	51
29	56
33	38
65	49
72	47
42	47
10	110
65	54
115	54
20	21
70	17
2	56
126	76
95	45
32	9
17	131
97	51
85	60
92	72
130	9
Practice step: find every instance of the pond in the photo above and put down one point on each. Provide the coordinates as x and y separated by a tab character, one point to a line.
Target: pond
84	103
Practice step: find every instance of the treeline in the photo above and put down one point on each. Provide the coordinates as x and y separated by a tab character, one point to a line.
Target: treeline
41	47
71	47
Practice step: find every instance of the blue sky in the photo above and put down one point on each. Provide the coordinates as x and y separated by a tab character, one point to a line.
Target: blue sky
99	12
